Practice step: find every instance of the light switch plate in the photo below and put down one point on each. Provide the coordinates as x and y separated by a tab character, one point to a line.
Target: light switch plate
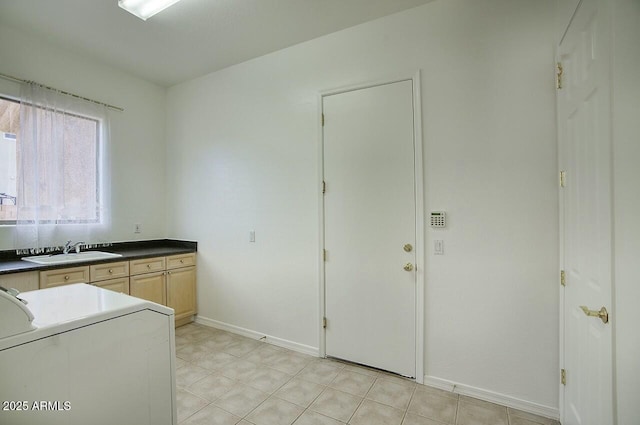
438	247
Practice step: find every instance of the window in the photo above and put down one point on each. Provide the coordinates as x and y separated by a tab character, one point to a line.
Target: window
63	184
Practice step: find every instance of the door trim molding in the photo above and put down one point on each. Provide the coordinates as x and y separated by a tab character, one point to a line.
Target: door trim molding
419	203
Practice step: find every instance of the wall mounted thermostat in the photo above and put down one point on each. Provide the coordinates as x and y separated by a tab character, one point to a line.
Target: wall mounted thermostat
438	219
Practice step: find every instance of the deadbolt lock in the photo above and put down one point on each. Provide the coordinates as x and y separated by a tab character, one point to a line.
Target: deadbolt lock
408	267
407	247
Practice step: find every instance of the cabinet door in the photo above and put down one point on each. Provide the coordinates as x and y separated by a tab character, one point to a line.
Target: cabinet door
116	285
150	286
68	276
23	282
181	291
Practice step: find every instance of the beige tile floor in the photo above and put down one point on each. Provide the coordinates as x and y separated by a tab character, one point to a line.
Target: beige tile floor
226	379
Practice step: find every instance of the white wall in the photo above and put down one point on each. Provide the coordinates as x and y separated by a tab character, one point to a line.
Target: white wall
137	134
243	153
626	157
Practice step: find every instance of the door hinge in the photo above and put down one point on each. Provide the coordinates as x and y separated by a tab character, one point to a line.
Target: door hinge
324	254
563	377
324	187
563	178
324	322
559	72
322	120
563	278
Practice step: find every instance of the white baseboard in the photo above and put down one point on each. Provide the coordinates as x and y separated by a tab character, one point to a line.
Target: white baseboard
294	346
493	397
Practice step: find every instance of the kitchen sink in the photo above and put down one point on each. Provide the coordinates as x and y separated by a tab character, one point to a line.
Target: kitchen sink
71	258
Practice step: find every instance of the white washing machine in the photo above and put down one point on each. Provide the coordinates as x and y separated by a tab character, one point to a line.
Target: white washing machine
79	354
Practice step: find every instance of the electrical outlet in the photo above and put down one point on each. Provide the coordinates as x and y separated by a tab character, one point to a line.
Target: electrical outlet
137	228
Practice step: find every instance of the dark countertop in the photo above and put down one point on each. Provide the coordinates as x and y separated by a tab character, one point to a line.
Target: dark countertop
11	263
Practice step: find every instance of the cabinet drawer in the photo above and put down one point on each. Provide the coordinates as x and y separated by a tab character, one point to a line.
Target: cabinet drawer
116	285
181	260
109	271
146	265
64	276
23	282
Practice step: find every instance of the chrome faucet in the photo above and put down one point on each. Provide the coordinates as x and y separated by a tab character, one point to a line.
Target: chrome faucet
68	247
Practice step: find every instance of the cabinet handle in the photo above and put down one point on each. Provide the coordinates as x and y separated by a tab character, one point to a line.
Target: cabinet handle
148	266
110	271
168	272
181	261
66	278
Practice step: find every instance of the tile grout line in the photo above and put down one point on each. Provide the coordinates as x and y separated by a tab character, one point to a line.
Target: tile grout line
208	403
455	417
265	400
408	404
359	404
276	390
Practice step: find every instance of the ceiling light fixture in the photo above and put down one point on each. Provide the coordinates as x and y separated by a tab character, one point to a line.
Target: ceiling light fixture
144	9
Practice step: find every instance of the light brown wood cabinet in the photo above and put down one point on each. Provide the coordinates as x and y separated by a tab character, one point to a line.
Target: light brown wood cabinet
181	260
105	271
175	287
149	286
112	276
116	285
23	282
147	265
58	277
169	281
181	292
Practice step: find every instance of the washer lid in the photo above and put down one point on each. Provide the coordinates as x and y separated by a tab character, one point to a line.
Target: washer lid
15	316
68	307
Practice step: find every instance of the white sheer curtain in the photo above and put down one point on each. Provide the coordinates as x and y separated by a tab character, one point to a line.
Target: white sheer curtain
63	170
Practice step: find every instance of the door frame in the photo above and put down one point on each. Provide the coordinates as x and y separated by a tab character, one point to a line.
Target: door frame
419	205
604	9
561	248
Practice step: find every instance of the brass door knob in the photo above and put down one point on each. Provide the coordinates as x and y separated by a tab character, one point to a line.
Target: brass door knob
407	247
408	267
603	314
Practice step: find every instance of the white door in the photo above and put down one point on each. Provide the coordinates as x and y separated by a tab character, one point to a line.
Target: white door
585	155
370	227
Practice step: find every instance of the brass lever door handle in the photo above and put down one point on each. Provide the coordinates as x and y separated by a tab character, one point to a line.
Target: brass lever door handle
603	314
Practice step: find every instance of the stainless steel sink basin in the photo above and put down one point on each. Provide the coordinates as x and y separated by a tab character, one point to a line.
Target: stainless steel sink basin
71	258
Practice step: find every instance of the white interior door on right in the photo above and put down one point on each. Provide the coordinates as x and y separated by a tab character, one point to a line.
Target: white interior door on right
585	156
